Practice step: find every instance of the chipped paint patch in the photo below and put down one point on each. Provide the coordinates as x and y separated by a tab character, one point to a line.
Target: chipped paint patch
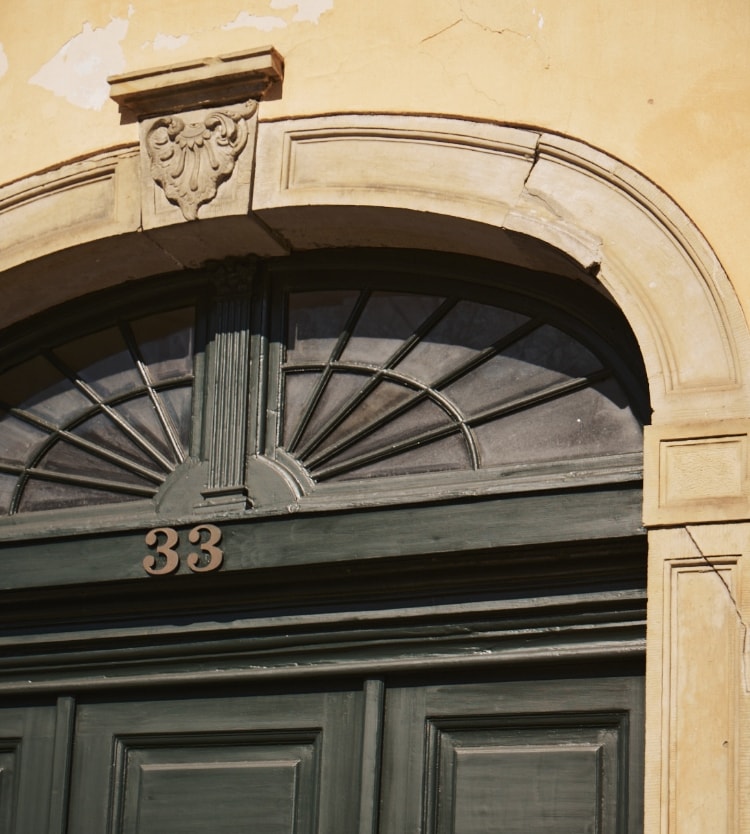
3	61
309	11
265	23
79	71
162	41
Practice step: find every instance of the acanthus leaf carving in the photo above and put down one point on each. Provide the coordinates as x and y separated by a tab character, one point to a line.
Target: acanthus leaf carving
191	160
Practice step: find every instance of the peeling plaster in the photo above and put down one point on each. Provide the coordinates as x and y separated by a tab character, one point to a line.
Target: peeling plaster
162	41
265	23
3	61
79	71
308	11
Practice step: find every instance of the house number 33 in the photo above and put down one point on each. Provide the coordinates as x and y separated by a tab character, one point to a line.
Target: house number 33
166	540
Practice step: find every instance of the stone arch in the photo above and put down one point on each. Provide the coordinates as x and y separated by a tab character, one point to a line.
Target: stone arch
521	196
511	194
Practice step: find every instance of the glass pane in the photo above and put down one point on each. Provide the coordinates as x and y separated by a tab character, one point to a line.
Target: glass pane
442	456
18	439
465	331
39	388
389	319
340	390
594	421
48	495
141	415
69	459
543	358
105	432
423	417
298	388
315	322
379	403
104	362
535	358
178	403
166	344
7	485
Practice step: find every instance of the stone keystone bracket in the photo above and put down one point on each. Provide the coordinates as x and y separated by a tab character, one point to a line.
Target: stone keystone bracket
185	158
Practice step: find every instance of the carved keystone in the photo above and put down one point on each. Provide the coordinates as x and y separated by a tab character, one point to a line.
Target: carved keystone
197	132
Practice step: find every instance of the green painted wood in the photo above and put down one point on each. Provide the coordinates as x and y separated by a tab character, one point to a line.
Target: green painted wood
274	761
26	765
62	752
325	537
430	653
369	797
518	757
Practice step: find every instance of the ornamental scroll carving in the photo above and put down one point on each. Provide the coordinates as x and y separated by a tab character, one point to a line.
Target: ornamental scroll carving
190	160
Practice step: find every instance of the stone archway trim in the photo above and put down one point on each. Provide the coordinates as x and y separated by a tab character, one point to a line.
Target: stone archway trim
528	198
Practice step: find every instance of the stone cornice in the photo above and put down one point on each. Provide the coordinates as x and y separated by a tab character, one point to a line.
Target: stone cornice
207	82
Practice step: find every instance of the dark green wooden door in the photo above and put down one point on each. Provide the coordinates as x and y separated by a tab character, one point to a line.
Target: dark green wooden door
517	757
29	794
278	763
458	755
337	470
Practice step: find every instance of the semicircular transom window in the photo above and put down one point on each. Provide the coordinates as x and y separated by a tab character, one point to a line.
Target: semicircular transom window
384	383
100	419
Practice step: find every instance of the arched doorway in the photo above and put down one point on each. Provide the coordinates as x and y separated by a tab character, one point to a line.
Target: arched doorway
514	196
336	540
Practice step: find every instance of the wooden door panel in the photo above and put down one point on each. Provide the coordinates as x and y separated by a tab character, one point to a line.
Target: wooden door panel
181	787
514	757
282	763
526	780
26	768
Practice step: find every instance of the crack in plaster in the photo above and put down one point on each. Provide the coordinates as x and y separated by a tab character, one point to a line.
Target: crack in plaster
466	18
740	619
441	31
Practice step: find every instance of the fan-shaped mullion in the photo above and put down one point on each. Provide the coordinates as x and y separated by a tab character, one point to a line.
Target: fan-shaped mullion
55	436
87	482
168	426
422	393
106	408
549	393
447	379
546	394
338	348
392	450
406	347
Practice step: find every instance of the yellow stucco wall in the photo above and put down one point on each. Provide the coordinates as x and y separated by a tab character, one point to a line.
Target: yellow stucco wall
663	86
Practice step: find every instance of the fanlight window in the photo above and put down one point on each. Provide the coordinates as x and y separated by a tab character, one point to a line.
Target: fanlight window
389	383
325	385
100	419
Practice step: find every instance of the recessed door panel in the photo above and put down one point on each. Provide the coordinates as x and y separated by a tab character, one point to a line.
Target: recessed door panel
26	768
528	780
280	763
180	786
536	757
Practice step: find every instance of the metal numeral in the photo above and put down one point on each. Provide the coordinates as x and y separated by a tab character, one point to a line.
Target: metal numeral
166	550
215	554
209	559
